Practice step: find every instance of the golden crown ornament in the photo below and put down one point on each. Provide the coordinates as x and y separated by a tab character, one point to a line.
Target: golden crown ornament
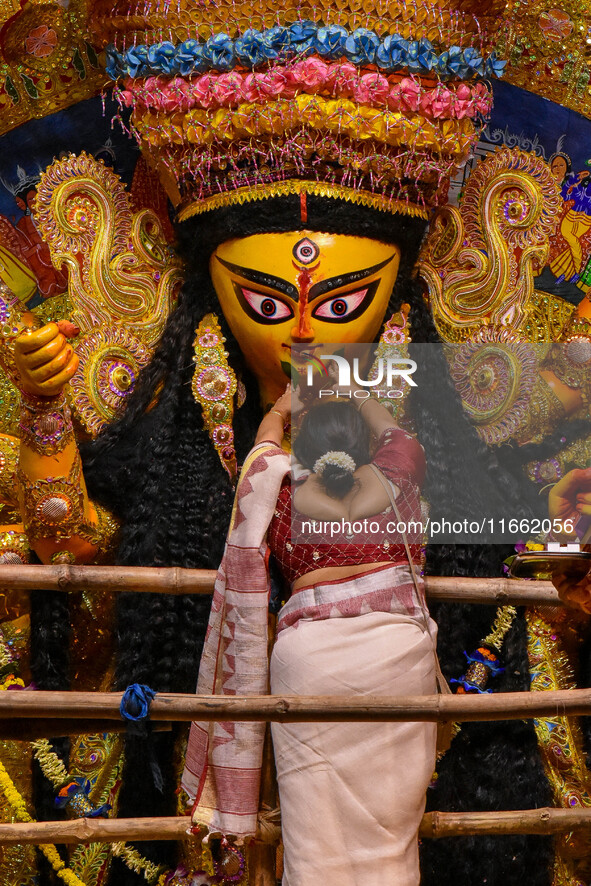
235	101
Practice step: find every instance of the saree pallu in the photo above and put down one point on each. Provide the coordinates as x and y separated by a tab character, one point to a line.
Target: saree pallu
352	794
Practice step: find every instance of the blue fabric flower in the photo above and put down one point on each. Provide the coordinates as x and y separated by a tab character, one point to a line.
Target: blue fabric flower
330	41
441	65
474	61
494	66
189	57
277	39
456	65
361	46
115	63
413	61
427	55
136	59
301	37
219	52
162	58
392	52
252	49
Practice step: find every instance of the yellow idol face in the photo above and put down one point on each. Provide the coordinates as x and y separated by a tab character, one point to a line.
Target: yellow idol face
302	287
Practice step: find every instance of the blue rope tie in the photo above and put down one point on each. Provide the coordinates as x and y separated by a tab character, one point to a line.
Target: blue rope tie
135	708
135	704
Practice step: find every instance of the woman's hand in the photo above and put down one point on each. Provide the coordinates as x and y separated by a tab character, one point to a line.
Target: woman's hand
570	498
272	426
284	404
575	593
45	360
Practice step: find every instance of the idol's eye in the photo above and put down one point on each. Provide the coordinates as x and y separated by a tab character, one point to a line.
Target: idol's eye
346	306
265	308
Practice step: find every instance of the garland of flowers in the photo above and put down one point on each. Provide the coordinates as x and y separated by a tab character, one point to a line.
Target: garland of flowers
19	808
312	76
306	112
254	48
74	791
54	770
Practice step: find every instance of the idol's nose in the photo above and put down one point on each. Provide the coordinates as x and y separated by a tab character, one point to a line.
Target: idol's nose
303	330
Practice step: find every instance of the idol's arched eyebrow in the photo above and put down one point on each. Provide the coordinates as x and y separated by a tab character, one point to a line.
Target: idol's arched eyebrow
342	280
285	288
261	278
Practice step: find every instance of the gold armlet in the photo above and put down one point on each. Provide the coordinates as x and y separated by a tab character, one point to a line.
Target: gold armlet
46	423
104	535
544	411
570	361
54	507
9	454
14	548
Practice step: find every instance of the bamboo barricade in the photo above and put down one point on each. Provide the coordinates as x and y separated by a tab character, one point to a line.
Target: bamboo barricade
301	709
174	580
434	825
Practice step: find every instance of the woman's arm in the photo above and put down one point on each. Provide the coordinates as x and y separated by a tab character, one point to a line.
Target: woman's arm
376	416
273	424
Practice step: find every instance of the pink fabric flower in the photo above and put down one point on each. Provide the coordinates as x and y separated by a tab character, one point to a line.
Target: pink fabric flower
251	88
149	93
437	103
482	98
372	89
203	91
126	96
463	104
274	84
395	98
342	80
410	93
180	94
226	89
310	74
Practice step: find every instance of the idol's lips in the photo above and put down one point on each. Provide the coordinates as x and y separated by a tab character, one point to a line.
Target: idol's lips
299	358
309	352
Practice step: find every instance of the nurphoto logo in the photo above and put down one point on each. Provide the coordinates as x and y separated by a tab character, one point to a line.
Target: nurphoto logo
385	371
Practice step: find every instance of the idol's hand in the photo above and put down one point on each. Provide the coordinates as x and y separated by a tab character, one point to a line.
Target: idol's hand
45	360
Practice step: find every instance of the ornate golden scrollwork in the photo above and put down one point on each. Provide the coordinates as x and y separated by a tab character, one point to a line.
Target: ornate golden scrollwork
479	264
481	259
123	279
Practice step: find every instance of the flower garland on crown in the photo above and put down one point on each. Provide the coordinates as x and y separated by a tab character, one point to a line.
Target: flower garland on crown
353	93
279	44
312	76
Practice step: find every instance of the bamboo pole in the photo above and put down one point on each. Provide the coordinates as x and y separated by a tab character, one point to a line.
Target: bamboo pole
497	591
298	709
520	821
434	825
150	579
174	580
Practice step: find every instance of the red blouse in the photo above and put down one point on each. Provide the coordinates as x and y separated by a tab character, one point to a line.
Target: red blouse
302	545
